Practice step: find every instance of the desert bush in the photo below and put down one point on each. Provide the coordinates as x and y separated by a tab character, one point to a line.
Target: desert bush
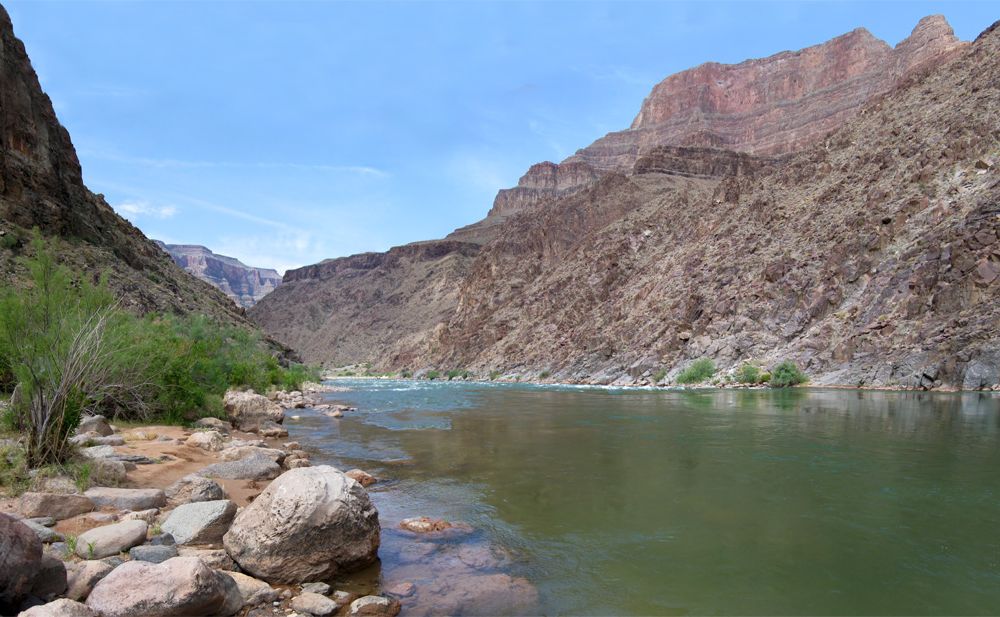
659	375
698	371
544	375
747	373
432	375
494	375
787	374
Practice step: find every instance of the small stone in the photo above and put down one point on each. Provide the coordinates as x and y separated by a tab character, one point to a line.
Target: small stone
194	488
44	521
217	559
297	463
206	440
343	598
424	524
214	423
361	477
403	589
94	424
163	539
320	588
142	515
152	554
314	604
375	606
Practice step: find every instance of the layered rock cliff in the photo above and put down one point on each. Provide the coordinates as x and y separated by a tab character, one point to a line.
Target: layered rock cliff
41	186
834	206
245	285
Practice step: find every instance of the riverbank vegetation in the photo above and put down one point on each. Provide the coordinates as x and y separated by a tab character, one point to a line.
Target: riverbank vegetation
67	348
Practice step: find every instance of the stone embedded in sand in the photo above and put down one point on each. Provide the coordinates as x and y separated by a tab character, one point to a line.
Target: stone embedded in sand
110	540
206	440
178	586
127	498
314	604
153	554
82	576
309	524
374	606
204	522
361	477
247	410
94	424
193	488
256	467
64	607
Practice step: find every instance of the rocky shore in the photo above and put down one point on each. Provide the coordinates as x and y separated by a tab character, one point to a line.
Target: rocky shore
227	518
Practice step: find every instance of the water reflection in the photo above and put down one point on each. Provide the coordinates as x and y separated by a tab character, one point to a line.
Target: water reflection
652	502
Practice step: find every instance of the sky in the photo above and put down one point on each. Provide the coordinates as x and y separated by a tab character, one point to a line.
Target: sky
285	133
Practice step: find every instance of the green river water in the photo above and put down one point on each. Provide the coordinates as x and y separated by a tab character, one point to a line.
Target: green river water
640	502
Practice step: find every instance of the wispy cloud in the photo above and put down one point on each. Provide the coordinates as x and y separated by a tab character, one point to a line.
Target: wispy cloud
143	209
164	163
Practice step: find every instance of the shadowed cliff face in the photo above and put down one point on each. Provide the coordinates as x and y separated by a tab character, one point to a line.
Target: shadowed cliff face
849	224
245	285
41	186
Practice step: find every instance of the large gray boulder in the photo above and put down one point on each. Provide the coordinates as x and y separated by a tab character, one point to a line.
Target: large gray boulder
256	467
82	576
56	505
204	522
109	540
64	607
178	586
309	524
193	488
248	410
20	560
94	424
127	498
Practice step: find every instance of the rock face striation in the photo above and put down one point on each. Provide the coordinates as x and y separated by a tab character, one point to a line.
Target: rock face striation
41	185
834	206
244	284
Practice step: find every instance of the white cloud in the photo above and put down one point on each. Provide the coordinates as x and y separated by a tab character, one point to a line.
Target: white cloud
361	170
143	209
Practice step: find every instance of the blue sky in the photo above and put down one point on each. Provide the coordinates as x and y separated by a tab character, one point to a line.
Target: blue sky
285	133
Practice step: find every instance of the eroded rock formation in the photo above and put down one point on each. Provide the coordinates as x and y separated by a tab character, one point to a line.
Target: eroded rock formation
244	284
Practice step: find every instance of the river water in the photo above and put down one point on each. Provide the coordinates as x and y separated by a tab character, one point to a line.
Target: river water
639	502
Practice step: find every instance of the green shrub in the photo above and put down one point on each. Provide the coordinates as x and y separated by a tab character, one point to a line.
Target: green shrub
544	375
747	373
659	375
698	371
433	375
14	478
765	377
494	375
787	374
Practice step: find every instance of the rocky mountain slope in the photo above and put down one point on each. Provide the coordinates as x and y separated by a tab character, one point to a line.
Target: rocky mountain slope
869	255
244	284
41	186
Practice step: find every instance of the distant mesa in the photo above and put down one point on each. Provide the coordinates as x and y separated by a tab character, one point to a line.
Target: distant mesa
244	284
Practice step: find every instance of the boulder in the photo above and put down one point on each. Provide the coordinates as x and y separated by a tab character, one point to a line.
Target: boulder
374	606
297	463
110	540
178	586
20	560
254	591
50	582
127	498
247	410
363	478
206	440
215	558
256	467
309	524
193	488
314	604
56	505
203	522
64	607
215	424
46	535
95	439
153	553
98	451
94	424
107	472
82	576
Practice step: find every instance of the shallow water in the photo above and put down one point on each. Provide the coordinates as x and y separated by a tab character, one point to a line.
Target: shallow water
823	502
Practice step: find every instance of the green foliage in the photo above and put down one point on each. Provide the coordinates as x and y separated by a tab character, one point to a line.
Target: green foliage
494	375
14	476
452	374
432	375
406	374
71	543
544	375
81	476
787	374
698	371
659	375
90	551
747	373
765	377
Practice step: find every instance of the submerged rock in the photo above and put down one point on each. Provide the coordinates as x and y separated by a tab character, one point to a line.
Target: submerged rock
310	524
